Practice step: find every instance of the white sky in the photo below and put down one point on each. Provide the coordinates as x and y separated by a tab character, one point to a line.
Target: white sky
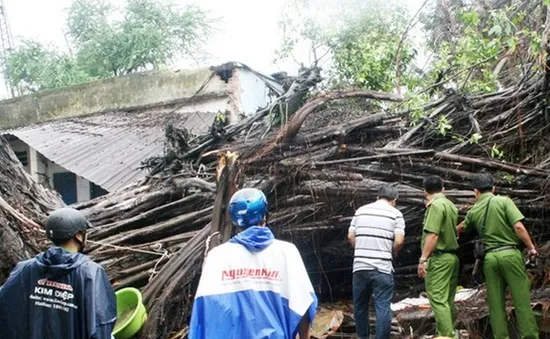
248	32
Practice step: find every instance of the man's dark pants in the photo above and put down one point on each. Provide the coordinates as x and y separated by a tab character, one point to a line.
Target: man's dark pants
380	286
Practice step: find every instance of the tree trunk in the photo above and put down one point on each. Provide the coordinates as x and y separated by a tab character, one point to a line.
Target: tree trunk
24	206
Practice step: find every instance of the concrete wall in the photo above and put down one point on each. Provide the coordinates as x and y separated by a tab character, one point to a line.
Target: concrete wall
254	93
125	92
244	92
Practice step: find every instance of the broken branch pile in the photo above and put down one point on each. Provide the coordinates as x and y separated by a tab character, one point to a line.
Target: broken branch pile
153	235
24	205
316	177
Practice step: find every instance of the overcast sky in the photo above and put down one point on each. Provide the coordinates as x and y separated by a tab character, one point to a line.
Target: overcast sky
247	33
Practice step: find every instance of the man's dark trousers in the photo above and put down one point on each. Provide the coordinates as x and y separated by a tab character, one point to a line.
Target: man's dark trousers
380	286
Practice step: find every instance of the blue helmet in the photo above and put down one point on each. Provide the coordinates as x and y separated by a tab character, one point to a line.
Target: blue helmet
248	207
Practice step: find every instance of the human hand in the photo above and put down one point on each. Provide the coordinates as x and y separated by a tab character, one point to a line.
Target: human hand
459	229
422	269
532	252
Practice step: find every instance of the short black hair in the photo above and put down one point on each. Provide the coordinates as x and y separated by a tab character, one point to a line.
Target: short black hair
65	242
433	184
61	243
388	192
483	182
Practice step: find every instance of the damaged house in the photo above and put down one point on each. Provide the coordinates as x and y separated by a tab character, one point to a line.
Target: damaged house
90	139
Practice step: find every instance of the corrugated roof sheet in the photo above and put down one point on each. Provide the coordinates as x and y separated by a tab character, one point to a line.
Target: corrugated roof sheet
107	149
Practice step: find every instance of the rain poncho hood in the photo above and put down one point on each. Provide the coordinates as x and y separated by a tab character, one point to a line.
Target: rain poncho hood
254	286
255	238
60	295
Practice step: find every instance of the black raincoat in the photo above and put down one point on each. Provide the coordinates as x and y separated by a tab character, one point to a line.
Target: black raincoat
57	295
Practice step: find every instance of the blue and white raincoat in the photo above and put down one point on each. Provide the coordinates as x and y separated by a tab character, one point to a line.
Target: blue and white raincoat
254	286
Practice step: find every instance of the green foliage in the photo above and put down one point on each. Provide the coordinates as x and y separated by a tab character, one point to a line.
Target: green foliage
87	18
496	152
472	47
469	51
33	66
486	46
458	139
415	105
361	36
365	51
147	34
508	177
474	138
443	125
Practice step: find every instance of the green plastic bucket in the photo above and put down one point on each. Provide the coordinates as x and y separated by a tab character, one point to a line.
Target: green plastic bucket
131	313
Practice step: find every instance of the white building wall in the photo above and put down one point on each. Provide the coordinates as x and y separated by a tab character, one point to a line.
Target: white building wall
42	170
82	189
254	93
82	185
213	105
33	164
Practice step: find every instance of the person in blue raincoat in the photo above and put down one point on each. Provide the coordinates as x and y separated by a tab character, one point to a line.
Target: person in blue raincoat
253	286
61	293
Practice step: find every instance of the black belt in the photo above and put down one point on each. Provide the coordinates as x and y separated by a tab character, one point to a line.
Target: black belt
438	252
502	248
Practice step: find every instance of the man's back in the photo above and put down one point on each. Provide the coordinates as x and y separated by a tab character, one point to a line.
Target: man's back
59	295
441	218
252	294
501	216
375	226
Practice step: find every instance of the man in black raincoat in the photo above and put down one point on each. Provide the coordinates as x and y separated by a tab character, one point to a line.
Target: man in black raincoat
61	293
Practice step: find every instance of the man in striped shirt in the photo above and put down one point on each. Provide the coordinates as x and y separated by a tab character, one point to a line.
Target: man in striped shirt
377	232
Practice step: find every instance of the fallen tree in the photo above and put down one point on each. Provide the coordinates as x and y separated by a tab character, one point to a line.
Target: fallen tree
153	235
24	205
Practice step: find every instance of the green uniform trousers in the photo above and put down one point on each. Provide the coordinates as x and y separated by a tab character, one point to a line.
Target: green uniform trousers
506	268
441	283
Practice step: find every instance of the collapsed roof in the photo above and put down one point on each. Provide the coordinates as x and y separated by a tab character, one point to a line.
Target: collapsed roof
120	122
107	149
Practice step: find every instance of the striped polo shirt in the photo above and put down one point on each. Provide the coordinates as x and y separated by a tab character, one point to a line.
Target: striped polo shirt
374	226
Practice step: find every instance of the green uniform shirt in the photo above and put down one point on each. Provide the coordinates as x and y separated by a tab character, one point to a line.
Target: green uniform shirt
501	216
441	218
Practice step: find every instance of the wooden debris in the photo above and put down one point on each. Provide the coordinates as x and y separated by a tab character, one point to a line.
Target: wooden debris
315	180
24	205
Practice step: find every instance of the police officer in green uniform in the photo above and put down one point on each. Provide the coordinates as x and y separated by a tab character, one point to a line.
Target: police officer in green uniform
503	235
439	262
